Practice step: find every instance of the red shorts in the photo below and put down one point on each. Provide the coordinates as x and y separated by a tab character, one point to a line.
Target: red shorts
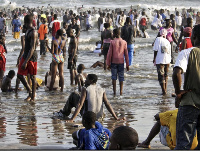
30	69
2	65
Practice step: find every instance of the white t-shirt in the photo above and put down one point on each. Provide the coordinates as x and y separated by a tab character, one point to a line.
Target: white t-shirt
182	59
156	22
163	48
178	20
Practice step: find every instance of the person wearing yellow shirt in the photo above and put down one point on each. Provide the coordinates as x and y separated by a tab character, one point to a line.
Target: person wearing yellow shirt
166	125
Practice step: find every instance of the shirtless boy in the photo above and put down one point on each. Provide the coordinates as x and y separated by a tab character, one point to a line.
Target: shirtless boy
6	82
72	49
28	63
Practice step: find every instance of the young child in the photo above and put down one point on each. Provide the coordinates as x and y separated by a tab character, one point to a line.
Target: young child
6	82
80	77
94	136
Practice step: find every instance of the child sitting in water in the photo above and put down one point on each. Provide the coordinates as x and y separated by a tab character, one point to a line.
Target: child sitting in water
94	136
6	82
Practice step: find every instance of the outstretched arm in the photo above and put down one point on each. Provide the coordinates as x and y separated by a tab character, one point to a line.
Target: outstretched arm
108	106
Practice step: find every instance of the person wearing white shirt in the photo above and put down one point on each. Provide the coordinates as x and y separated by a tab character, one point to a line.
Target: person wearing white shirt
162	58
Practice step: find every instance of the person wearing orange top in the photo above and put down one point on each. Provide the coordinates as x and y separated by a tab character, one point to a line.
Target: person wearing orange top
42	34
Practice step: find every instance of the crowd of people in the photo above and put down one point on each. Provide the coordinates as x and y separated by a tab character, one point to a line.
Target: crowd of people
118	29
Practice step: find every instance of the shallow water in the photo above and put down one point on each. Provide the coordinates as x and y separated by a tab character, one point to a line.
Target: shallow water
25	125
29	125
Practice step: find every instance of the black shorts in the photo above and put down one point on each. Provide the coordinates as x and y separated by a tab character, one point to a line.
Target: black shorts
72	65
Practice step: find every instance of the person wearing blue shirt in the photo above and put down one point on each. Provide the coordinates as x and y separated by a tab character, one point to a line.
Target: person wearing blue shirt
16	23
94	136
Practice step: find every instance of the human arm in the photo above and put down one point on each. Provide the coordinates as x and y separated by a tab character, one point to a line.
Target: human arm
74	48
79	105
154	57
183	44
108	106
176	77
174	39
109	55
126	56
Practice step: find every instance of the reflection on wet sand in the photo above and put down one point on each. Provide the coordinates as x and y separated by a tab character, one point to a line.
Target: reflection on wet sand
27	127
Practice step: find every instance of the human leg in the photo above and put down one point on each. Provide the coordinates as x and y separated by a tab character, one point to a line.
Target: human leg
60	68
54	67
34	83
26	85
186	123
114	76
130	53
160	70
120	71
1	76
154	131
166	69
71	102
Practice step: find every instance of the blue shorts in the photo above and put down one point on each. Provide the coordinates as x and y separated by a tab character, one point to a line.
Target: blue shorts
117	69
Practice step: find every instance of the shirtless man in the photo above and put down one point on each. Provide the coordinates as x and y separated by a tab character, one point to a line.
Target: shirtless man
72	49
57	59
28	63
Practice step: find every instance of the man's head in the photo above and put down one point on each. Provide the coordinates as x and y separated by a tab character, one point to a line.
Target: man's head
2	39
116	33
28	20
163	32
73	20
55	16
187	32
195	38
11	74
106	25
123	138
168	22
88	119
80	68
91	79
128	20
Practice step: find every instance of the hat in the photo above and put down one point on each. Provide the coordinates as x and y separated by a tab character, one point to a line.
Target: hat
187	30
163	32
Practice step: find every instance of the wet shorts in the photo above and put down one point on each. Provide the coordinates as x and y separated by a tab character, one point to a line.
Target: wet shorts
72	65
117	69
30	69
2	65
162	70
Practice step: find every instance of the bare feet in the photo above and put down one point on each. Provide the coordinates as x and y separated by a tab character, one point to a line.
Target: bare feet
28	98
143	145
